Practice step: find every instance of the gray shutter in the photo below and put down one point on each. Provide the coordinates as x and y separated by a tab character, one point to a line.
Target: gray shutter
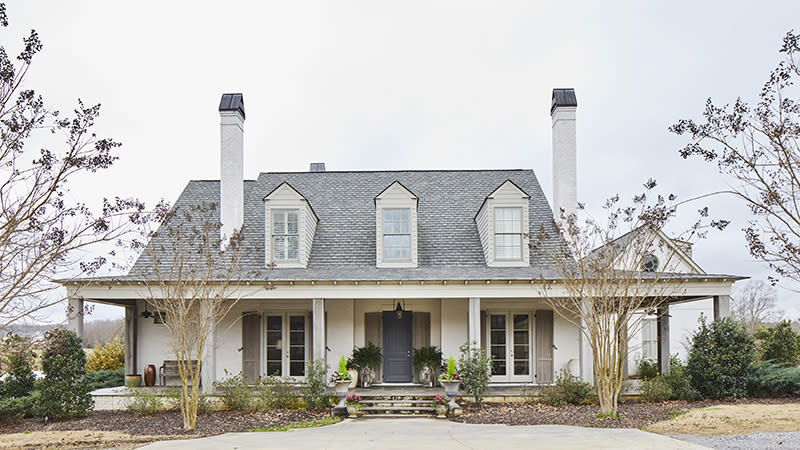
484	336
373	332
251	346
544	346
421	327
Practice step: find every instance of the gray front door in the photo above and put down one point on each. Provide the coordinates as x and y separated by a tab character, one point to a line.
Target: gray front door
397	347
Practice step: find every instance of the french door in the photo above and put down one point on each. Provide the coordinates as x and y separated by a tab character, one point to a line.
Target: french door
286	344
510	345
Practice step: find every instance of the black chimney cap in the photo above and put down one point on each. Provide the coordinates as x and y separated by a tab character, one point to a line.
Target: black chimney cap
563	97
232	102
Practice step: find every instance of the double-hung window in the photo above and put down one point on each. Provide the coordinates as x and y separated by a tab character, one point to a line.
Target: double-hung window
396	234
284	235
508	233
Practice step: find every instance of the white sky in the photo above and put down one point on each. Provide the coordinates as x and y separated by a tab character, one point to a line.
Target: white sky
408	85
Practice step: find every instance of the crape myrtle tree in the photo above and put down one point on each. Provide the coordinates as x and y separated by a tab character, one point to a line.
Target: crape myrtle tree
45	234
756	146
192	278
607	282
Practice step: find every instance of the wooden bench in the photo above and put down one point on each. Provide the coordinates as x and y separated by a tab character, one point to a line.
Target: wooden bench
170	369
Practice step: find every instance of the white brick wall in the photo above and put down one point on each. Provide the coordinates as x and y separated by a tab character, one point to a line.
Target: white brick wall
564	161
231	196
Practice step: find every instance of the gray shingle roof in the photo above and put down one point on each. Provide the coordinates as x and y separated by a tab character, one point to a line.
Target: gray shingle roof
343	249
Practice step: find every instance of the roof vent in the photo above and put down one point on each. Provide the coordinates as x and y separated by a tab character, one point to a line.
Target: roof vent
317	167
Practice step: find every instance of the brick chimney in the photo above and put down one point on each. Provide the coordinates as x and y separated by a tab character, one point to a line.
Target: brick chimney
564	170
231	178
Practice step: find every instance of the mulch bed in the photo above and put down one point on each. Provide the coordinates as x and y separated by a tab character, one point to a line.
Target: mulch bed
631	415
168	423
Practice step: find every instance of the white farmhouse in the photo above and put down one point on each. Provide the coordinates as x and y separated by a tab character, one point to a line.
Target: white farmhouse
402	259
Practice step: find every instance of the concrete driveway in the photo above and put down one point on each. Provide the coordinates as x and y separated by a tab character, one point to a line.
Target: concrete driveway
433	433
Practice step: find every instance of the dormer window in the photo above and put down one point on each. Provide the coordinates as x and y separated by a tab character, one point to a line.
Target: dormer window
504	228
290	224
396	227
285	239
396	234
508	233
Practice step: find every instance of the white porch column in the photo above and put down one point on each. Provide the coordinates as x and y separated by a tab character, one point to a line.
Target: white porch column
318	322
585	356
75	315
208	371
474	333
130	340
663	339
722	306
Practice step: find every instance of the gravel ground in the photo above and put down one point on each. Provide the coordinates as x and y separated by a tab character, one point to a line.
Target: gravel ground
755	441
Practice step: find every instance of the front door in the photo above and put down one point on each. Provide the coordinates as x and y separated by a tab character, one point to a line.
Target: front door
397	347
509	343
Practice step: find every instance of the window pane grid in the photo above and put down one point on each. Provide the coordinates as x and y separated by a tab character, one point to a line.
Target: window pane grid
285	235
508	233
396	234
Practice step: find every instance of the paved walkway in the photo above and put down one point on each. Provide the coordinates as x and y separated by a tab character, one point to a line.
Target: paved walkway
433	433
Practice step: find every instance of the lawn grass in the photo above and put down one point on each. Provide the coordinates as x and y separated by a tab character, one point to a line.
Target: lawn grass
306	424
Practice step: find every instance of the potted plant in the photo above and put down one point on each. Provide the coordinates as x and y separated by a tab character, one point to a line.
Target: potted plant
352	370
426	360
450	380
353	403
441	402
341	381
367	359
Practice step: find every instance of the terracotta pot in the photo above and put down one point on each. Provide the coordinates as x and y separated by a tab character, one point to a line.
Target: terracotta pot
150	375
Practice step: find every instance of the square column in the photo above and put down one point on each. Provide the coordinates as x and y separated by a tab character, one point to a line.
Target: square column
585	356
318	324
208	371
663	339
75	316
722	306
130	340
474	332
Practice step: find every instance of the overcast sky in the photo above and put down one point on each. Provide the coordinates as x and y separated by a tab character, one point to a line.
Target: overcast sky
409	85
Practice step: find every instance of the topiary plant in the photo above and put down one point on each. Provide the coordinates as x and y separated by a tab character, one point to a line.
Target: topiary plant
107	357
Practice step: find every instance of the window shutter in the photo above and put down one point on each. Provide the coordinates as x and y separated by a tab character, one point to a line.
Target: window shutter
544	347
251	346
373	332
421	329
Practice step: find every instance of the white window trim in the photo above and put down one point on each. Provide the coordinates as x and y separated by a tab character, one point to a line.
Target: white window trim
283	198
384	234
507	195
396	196
287	234
285	341
521	234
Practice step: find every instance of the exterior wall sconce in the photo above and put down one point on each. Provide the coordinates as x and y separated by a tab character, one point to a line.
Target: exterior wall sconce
398	311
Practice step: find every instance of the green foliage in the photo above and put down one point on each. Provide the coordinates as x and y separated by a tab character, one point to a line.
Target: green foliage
779	344
720	359
678	382
770	379
314	391
474	368
235	392
655	390
648	369
173	396
368	357
108	357
567	390
330	420
65	392
342	365
451	366
143	402
275	392
17	362
429	356
105	378
14	408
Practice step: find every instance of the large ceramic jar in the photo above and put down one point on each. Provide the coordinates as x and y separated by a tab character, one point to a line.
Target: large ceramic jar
150	375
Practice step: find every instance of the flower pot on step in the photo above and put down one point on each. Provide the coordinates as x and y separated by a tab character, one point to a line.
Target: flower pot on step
441	411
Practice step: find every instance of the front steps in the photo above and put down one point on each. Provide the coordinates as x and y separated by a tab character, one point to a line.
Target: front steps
397	406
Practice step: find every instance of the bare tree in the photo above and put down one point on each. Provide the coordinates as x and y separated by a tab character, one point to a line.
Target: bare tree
194	283
757	146
754	304
43	234
610	280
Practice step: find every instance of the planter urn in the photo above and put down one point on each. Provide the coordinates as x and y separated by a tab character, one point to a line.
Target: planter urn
133	380
352	411
451	390
150	375
354	375
341	388
441	411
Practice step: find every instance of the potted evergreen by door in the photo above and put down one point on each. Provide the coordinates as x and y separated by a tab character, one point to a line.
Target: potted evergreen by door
341	382
450	380
426	360
367	358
